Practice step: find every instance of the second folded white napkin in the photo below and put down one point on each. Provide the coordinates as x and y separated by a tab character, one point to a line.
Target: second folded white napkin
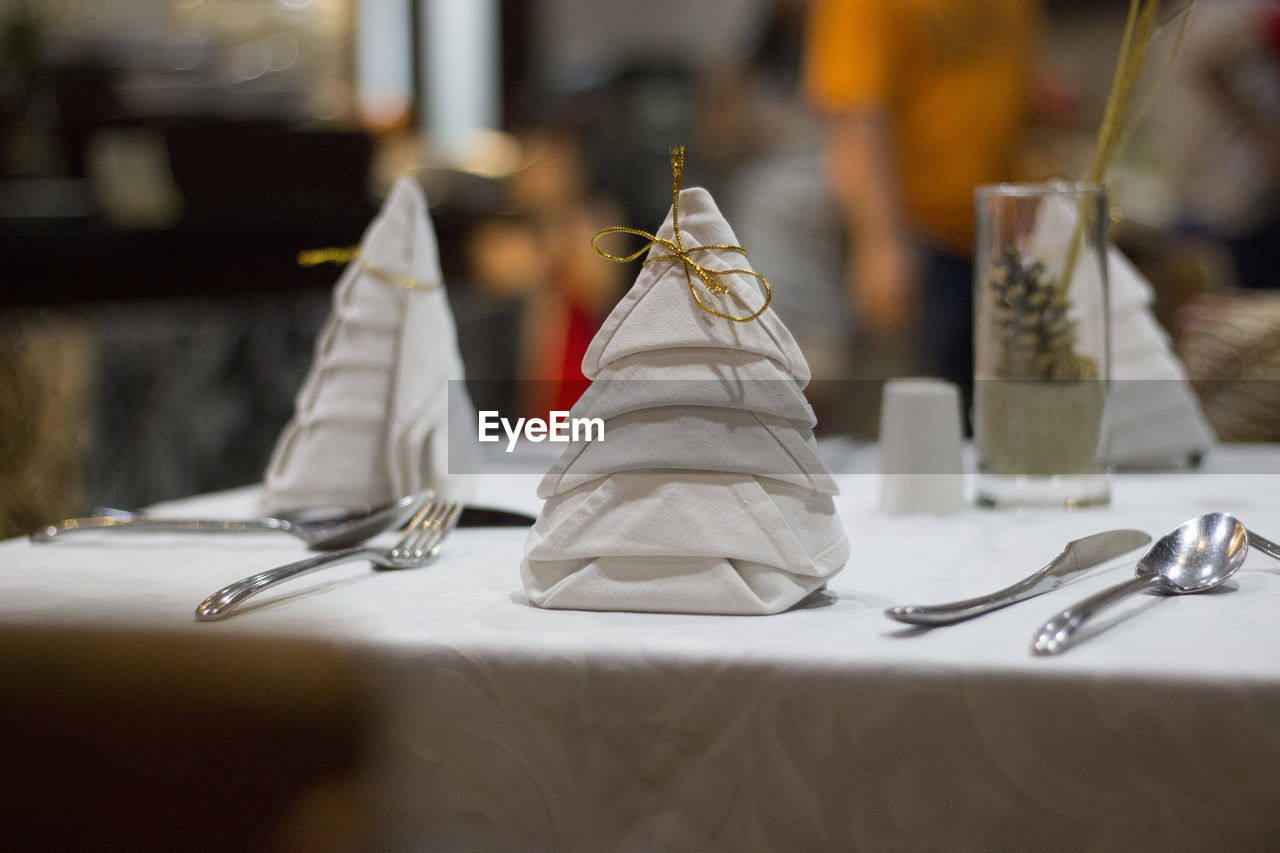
1155	416
371	421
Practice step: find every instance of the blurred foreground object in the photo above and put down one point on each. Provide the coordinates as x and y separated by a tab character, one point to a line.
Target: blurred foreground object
43	383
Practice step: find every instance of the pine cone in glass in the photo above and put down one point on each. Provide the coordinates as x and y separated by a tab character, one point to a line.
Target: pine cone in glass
1034	333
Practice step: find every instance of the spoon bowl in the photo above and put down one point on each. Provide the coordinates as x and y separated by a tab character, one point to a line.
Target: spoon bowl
1200	554
322	528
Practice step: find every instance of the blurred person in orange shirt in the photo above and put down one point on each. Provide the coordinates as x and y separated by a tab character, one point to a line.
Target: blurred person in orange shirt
924	100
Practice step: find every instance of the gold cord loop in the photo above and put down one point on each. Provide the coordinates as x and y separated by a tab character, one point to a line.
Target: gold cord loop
710	279
314	257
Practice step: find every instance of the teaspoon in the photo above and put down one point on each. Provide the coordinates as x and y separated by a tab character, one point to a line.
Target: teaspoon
1200	554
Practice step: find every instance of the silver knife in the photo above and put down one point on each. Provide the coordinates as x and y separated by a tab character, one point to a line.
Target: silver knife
1078	556
483	516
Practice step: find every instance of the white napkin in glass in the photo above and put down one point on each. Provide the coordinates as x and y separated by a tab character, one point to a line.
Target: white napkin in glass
706	494
1155	416
372	418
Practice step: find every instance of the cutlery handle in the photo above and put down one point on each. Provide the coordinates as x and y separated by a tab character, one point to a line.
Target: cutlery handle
147	524
1077	557
216	605
930	615
1266	546
1058	634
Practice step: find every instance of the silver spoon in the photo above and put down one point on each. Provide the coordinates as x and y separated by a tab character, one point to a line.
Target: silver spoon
1266	546
1198	555
322	528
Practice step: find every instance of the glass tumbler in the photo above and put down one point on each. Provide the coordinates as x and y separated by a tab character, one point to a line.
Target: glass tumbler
1042	357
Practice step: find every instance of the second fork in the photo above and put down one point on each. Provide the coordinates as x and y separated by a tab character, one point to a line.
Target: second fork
417	547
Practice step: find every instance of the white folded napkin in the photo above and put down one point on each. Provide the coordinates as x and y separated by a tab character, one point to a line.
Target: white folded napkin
706	493
1155	416
372	418
641	324
693	438
1156	419
683	542
742	381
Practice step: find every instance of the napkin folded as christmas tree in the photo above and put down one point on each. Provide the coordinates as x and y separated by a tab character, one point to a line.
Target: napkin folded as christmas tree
706	493
372	418
1155	415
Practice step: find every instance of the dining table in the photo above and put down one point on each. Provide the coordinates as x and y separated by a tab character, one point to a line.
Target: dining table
437	709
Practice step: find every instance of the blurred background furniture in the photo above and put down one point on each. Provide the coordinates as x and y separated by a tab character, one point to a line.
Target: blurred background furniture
1230	344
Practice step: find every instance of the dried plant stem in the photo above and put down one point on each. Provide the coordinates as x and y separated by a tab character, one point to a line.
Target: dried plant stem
1117	122
1183	16
1133	48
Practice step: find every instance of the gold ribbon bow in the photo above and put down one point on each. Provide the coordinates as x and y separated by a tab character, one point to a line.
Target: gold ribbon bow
314	257
710	279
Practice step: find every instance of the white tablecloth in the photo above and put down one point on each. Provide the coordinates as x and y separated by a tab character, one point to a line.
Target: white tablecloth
499	726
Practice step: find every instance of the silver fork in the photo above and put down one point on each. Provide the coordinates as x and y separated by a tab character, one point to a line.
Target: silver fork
417	547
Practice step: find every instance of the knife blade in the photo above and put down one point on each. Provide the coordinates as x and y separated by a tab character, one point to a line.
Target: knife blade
483	516
1078	556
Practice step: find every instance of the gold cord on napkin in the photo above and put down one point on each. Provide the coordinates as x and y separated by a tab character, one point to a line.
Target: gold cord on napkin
710	278
314	257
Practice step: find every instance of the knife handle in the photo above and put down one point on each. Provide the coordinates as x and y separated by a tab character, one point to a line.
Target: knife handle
148	524
958	611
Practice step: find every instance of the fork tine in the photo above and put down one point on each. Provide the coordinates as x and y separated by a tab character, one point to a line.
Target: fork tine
448	519
425	529
433	528
411	530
